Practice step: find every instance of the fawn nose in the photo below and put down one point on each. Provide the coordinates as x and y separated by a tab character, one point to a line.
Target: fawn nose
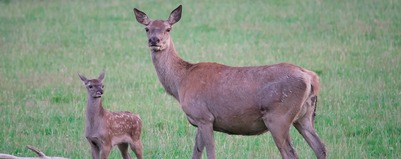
153	41
100	92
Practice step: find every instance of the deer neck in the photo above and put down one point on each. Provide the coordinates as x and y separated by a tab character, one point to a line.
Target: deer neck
94	111
170	69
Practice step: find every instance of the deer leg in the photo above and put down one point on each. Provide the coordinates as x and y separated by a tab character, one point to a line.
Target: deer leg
305	128
124	150
279	128
104	154
136	146
206	135
199	146
95	150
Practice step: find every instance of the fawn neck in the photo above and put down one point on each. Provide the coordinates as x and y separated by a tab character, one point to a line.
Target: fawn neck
94	110
170	68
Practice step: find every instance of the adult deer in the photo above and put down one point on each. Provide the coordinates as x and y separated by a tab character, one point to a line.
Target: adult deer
235	100
106	129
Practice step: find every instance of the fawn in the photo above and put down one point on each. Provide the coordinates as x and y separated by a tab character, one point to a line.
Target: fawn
106	129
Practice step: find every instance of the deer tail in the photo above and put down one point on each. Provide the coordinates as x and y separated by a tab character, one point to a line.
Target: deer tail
315	88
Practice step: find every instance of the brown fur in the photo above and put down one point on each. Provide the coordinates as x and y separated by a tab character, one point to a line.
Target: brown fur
105	129
235	100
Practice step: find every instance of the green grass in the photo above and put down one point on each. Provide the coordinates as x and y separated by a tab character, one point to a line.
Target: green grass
355	46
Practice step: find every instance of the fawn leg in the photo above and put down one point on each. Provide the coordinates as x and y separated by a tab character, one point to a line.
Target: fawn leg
137	148
104	154
94	149
124	150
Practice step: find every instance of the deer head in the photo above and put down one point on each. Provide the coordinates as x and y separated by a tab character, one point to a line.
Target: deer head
94	86
158	31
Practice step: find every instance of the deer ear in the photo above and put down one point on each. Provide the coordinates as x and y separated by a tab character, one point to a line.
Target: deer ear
101	76
83	79
141	17
175	15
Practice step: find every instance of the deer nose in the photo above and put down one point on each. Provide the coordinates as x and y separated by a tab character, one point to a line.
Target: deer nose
154	41
100	92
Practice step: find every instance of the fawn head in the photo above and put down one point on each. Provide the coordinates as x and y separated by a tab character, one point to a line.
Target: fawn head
94	86
158	31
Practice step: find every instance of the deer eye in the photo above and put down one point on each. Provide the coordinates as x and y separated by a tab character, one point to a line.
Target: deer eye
90	86
102	86
147	29
168	29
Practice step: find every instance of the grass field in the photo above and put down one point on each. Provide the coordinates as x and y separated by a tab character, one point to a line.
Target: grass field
355	47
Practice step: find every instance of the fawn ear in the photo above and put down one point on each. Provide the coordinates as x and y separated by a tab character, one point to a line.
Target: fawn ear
141	17
83	79
101	76
175	15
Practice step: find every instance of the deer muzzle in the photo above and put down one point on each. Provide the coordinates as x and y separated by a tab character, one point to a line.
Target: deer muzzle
99	93
154	43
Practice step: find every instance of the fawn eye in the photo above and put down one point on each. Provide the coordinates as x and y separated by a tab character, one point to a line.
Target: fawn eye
168	29
147	29
90	86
